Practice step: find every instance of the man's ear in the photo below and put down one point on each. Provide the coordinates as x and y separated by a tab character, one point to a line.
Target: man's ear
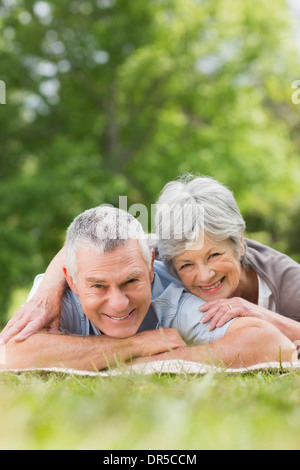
70	281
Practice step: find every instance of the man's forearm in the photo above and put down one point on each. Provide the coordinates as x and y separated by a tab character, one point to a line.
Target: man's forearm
83	353
44	350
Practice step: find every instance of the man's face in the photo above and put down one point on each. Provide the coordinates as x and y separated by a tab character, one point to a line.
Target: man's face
114	288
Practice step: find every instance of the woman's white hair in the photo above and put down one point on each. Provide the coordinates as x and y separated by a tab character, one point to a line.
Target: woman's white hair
193	207
103	229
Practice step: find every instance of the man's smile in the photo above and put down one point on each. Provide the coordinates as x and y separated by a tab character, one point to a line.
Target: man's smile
120	318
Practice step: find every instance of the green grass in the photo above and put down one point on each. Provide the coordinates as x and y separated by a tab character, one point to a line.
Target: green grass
214	411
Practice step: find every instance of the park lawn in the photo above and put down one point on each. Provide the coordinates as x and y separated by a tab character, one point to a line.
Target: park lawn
257	410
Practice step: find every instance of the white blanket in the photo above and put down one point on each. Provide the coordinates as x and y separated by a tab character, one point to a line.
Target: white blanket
168	367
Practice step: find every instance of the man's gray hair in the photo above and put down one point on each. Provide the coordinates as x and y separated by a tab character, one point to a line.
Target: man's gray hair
103	229
193	207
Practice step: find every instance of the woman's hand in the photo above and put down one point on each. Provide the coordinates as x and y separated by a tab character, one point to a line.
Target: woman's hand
41	311
220	311
43	308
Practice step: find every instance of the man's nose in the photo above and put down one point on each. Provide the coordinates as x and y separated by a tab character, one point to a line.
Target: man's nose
117	302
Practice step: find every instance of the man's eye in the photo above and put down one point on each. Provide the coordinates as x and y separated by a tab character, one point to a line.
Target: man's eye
97	286
130	281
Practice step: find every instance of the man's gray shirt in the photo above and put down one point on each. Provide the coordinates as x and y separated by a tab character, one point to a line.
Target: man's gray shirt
172	306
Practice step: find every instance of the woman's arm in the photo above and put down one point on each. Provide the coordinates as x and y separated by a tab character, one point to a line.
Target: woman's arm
220	311
248	341
43	308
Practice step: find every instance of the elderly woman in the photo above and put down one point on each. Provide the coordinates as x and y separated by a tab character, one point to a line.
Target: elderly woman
201	244
201	241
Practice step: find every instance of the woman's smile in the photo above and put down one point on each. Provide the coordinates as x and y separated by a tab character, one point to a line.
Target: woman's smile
213	287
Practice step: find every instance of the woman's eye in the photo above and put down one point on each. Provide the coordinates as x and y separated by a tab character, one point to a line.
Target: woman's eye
185	266
214	255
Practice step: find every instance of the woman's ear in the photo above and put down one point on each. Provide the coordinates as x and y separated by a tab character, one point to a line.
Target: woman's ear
243	250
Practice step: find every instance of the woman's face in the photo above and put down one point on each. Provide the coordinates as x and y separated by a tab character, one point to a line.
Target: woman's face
211	271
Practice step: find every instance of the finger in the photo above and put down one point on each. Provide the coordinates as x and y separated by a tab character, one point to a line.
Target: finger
219	305
208	316
208	305
12	331
214	310
215	321
29	329
21	315
8	325
223	312
226	317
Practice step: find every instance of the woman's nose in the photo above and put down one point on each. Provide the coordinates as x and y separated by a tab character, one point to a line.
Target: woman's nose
204	275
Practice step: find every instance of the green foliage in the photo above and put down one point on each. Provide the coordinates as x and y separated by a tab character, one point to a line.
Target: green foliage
112	97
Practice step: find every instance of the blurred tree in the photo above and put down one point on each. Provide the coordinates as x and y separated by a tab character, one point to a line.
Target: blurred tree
112	97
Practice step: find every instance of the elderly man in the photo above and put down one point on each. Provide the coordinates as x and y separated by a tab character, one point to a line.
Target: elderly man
118	307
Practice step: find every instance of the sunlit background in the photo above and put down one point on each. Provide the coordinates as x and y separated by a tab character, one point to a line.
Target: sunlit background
115	97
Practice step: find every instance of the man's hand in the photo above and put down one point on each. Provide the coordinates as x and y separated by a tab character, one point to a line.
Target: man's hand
41	311
149	343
